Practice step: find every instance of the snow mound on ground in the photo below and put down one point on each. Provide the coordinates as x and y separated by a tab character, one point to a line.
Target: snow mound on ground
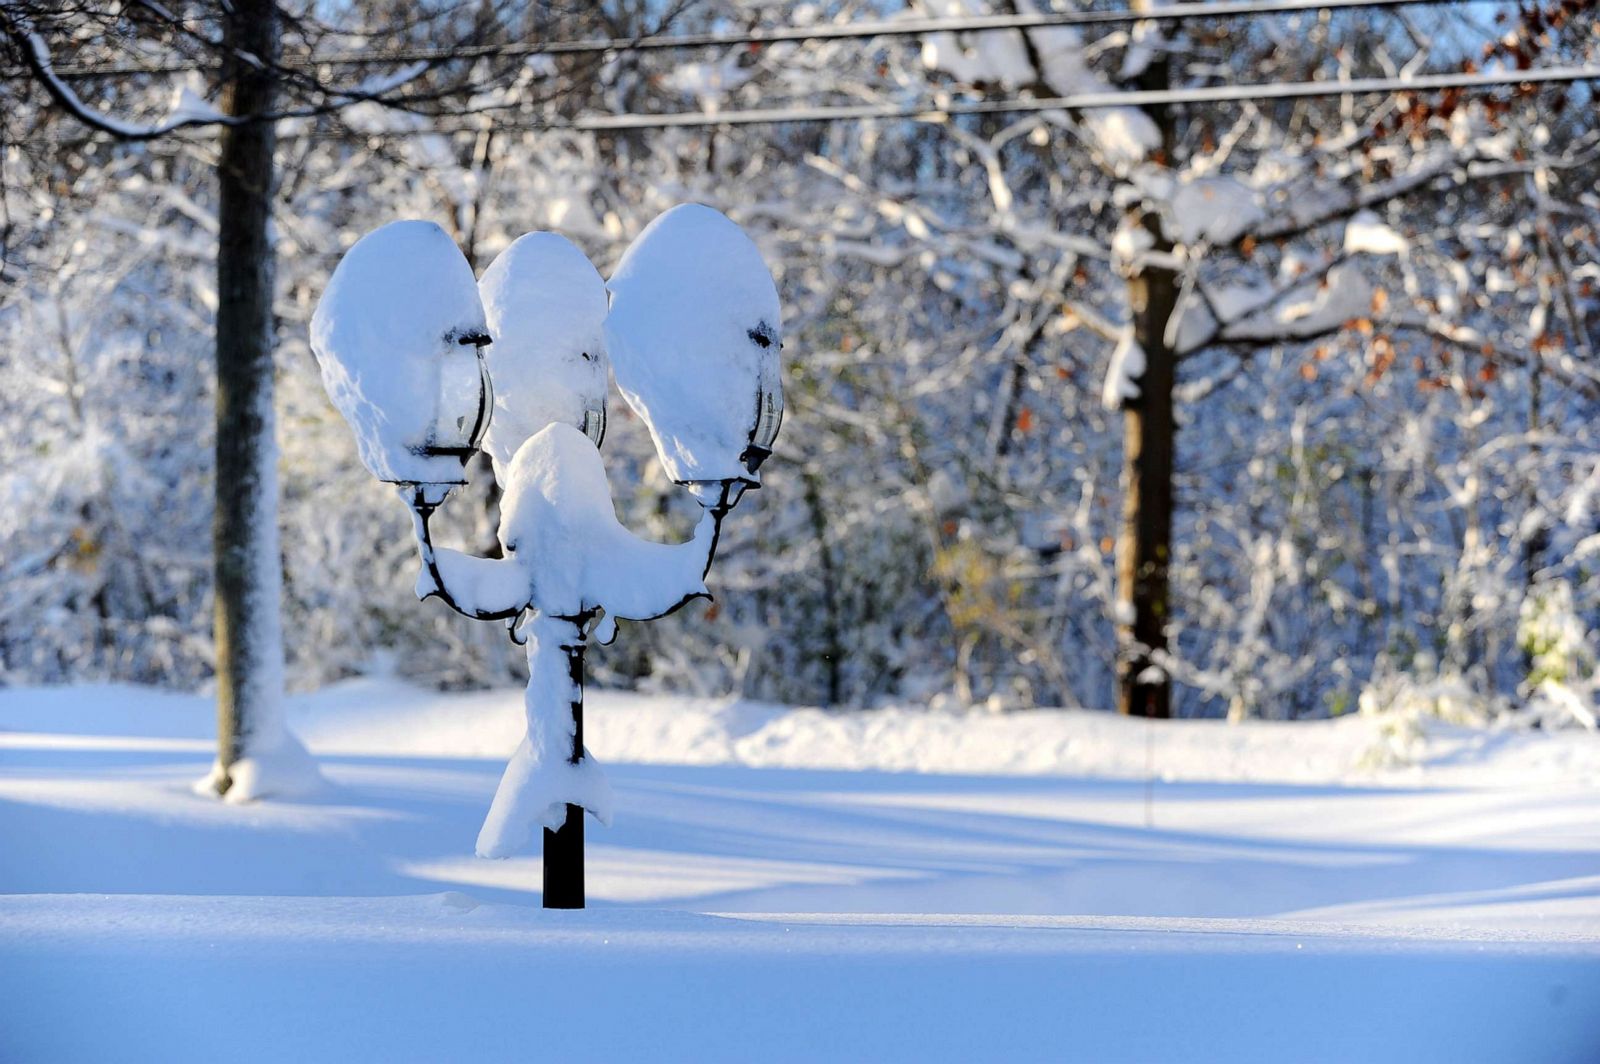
694	335
385	717
388	335
546	309
277	766
370	717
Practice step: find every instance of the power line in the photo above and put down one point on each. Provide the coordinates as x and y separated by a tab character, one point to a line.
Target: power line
942	112
908	27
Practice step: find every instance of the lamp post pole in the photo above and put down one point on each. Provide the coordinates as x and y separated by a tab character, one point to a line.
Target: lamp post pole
556	645
563	847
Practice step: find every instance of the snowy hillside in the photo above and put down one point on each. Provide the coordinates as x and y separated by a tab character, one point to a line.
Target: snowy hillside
1446	909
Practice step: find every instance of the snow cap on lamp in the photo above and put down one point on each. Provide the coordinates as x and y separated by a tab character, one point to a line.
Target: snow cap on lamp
397	333
558	519
546	308
694	336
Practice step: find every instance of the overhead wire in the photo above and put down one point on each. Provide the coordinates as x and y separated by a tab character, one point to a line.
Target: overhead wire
1465	80
923	111
904	27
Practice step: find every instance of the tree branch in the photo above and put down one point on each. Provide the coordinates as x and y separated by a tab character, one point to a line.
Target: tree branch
36	56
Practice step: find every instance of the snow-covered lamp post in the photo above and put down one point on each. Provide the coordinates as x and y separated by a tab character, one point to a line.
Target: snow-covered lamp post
693	323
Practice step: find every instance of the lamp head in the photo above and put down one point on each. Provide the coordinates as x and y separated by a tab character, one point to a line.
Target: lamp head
546	308
399	333
695	336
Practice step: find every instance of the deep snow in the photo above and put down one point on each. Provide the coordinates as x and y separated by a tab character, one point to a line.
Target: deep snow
1183	891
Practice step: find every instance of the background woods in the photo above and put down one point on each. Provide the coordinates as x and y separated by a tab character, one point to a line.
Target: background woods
1255	408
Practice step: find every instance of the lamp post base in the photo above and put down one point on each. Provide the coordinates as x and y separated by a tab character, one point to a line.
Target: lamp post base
563	863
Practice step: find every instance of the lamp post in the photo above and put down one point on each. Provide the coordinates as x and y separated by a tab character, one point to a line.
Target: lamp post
401	334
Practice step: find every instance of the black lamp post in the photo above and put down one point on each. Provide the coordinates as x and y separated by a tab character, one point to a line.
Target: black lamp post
693	331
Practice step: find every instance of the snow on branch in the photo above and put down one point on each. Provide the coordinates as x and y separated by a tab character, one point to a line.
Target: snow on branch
188	110
1051	57
1307	213
1325	304
1328	296
1122	376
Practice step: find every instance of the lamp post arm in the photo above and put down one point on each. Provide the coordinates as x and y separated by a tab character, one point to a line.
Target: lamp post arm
731	490
641	580
485	589
707	537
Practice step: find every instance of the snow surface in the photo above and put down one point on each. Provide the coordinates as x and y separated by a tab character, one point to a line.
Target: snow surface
387	334
546	308
688	298
1074	893
444	976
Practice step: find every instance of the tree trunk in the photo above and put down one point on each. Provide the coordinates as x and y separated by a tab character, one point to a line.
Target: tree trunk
1144	546
833	639
248	569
